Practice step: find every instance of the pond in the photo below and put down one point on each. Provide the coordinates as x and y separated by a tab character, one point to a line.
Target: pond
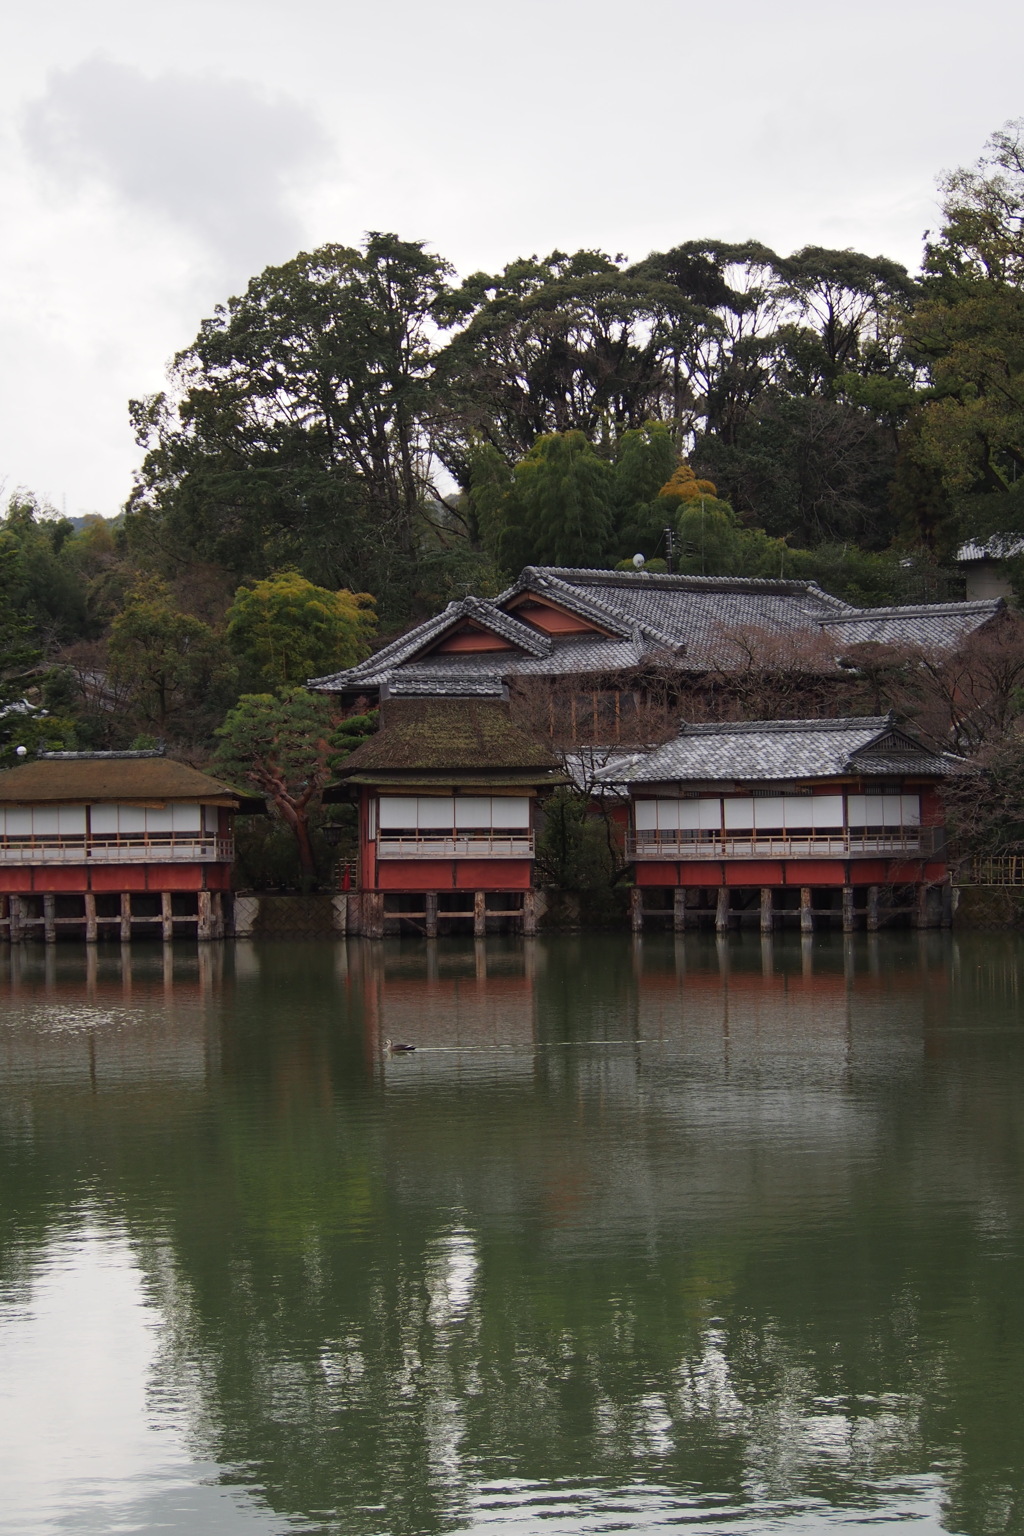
716	1234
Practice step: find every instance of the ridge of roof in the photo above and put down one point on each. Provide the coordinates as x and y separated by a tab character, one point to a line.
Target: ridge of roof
605	614
872	723
675	582
918	610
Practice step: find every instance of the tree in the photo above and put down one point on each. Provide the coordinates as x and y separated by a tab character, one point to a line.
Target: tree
281	744
558	510
298	427
290	630
968	330
172	663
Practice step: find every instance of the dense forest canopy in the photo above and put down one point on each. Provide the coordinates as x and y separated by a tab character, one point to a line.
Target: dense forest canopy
363	435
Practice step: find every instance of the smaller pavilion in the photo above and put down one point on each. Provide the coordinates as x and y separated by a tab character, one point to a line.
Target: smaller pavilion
836	819
447	794
114	845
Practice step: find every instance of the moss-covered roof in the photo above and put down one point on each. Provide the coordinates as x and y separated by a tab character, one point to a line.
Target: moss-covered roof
449	735
69	779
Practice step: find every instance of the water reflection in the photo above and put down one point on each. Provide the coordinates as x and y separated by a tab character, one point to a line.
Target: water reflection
720	1232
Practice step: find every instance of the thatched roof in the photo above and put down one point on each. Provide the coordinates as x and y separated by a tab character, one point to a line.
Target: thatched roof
450	737
68	778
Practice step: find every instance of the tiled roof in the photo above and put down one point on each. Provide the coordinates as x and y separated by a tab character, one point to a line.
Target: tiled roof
1001	546
787	749
686	621
925	624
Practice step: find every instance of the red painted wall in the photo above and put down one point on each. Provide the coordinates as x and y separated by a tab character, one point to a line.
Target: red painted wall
107	878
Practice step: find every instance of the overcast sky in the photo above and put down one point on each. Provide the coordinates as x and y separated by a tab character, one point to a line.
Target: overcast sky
152	158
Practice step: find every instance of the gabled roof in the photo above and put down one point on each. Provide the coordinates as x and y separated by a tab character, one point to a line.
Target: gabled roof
999	546
73	778
753	750
924	624
684	621
448	737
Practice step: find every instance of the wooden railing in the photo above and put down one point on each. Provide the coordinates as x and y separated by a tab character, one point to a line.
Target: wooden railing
999	869
153	848
466	845
842	843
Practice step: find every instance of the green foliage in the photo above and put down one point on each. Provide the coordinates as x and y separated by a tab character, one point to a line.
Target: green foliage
296	430
558	510
288	630
281	746
175	667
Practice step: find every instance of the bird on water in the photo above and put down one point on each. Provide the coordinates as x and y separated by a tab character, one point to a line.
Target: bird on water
394	1046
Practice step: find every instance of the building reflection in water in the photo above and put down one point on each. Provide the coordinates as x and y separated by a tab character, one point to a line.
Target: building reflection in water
642	1231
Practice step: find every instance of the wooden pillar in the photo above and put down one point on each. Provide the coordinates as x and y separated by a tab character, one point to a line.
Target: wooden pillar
920	914
5	914
636	909
479	914
17	928
847	908
529	913
873	909
946	905
204	918
126	917
217	915
430	903
91	931
166	921
767	908
722	910
806	915
49	926
679	909
373	914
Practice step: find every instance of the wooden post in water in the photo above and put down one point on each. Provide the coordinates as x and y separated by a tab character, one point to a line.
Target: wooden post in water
166	920
479	914
636	909
204	924
5	913
679	909
91	930
847	908
872	909
49	926
17	929
722	910
430	917
920	914
126	917
529	913
806	914
767	909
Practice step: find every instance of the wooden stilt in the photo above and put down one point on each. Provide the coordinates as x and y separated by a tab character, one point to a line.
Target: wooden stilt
636	909
374	912
204	919
679	909
217	914
722	910
5	915
873	909
479	914
17	914
49	912
847	908
430	920
166	920
91	930
767	908
920	914
126	917
529	913
806	915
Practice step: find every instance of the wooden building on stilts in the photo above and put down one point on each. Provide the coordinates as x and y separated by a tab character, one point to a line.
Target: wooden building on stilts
447	794
801	821
114	845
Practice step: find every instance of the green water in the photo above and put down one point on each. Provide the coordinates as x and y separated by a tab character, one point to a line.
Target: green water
723	1236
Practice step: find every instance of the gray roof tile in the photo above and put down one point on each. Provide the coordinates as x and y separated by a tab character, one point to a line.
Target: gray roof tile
787	749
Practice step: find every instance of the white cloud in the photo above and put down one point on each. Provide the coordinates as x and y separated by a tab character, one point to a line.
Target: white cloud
217	158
